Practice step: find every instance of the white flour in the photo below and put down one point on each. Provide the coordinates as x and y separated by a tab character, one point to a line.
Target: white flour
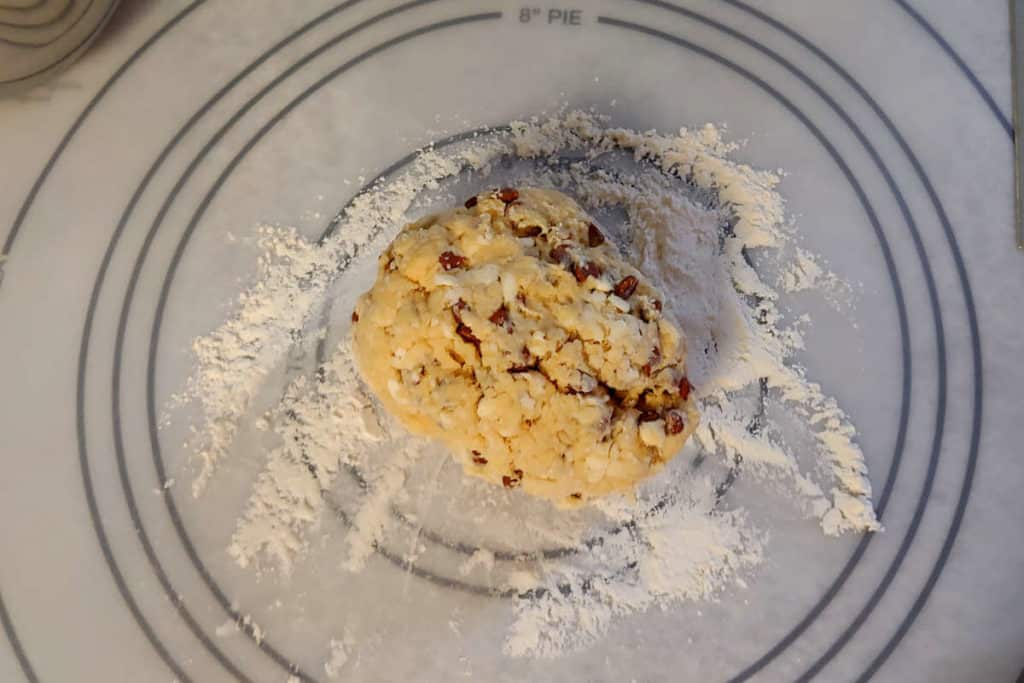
677	541
288	496
685	550
337	657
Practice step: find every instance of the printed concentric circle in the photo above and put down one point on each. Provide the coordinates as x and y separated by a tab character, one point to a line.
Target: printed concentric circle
182	245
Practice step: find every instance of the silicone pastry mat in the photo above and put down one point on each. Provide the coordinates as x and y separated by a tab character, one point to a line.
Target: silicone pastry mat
188	120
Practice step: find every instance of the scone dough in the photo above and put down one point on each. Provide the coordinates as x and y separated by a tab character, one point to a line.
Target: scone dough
514	332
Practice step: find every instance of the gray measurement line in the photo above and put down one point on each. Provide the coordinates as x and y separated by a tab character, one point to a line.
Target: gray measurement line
19	649
1017	72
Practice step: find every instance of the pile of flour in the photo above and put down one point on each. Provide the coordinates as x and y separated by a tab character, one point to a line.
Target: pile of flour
692	220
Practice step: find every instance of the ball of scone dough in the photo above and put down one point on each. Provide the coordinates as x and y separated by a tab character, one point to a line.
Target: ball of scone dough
515	333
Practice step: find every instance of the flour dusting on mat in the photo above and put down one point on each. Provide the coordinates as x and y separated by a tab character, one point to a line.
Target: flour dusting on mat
693	222
337	657
678	547
294	274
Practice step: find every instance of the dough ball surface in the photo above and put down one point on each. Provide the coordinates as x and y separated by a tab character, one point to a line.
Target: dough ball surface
514	331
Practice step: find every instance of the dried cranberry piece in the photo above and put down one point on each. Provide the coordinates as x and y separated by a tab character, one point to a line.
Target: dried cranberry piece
626	287
450	260
584	270
500	316
464	331
684	388
674	422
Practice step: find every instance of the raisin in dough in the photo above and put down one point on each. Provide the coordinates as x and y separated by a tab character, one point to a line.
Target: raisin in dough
515	333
